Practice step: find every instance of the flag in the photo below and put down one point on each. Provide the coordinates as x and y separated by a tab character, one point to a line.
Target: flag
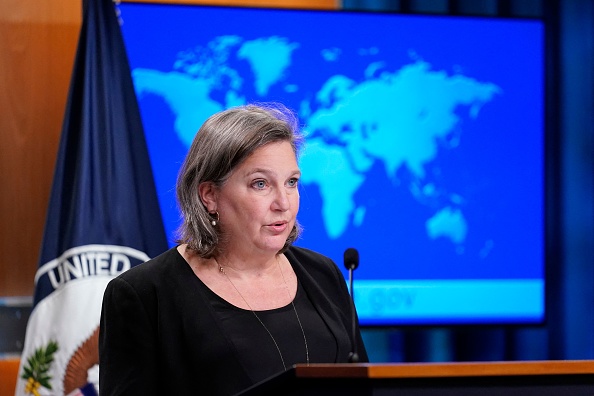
103	215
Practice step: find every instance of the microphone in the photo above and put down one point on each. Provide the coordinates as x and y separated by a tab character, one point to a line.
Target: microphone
351	262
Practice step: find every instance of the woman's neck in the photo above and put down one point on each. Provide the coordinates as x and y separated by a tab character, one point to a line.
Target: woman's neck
241	266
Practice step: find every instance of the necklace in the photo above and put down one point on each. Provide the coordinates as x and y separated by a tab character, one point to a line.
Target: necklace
222	270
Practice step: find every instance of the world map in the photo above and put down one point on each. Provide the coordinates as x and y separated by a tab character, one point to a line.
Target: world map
395	118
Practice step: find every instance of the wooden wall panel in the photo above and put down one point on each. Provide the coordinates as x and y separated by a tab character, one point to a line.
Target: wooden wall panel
37	46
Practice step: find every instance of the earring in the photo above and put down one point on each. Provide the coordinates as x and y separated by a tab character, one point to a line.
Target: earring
214	218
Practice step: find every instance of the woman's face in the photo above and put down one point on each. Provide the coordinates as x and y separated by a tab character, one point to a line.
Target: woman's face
258	203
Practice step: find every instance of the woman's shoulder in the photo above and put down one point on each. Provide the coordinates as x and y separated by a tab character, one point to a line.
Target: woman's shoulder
305	254
314	268
155	269
311	260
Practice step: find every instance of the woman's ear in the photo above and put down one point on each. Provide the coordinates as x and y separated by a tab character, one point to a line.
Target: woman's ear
208	196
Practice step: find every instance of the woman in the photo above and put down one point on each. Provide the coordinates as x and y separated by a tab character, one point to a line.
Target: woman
234	303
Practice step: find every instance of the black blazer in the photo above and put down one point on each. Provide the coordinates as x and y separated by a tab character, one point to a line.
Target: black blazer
159	335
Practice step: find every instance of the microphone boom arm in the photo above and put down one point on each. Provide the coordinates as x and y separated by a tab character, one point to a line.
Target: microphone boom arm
351	262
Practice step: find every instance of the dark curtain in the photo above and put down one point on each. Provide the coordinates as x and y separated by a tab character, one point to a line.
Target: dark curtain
569	329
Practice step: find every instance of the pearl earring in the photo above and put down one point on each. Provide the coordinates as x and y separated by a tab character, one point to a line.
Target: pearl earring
215	218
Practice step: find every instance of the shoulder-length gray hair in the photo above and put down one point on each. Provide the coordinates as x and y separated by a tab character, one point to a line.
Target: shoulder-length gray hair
223	142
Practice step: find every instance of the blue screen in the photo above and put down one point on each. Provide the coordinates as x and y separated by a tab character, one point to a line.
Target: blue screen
424	142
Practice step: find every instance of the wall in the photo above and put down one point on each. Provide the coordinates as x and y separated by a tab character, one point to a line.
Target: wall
37	45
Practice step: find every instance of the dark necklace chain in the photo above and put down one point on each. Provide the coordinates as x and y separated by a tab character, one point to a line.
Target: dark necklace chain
222	270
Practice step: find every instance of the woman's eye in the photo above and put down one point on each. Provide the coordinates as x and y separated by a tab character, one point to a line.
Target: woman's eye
259	184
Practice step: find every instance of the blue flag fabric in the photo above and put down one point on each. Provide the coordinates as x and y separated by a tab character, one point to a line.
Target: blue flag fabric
103	215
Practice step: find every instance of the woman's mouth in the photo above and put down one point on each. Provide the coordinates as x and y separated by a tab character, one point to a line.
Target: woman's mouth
278	226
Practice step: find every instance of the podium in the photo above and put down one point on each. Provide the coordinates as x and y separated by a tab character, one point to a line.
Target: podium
538	378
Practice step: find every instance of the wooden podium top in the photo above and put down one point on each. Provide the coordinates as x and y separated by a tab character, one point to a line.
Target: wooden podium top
528	378
432	370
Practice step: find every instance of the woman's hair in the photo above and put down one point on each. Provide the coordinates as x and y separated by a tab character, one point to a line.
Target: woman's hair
223	142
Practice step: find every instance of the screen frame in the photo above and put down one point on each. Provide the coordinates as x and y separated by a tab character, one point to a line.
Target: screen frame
551	163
